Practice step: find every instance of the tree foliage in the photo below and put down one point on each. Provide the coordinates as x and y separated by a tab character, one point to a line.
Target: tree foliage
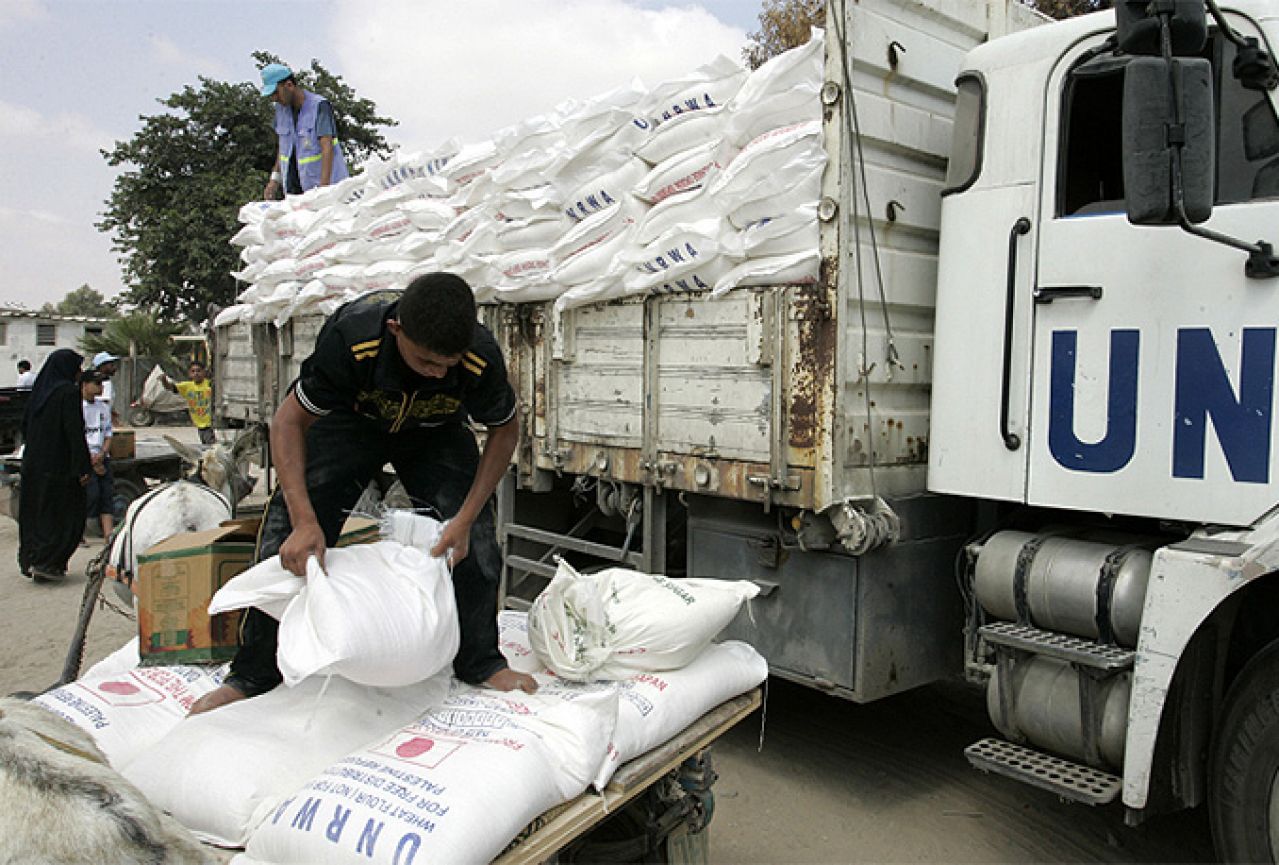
1069	8
82	301
783	24
138	331
188	170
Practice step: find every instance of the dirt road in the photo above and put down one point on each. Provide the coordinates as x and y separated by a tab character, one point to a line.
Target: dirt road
888	782
834	781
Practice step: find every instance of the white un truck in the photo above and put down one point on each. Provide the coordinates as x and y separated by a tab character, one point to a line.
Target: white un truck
1021	426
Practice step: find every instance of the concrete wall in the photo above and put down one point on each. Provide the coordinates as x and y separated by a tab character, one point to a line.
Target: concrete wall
18	340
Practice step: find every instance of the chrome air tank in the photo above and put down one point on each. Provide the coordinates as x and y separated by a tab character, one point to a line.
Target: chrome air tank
1086	588
1044	710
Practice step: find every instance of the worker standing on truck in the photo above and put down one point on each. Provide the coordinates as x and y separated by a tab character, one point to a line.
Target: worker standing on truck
198	393
309	152
394	378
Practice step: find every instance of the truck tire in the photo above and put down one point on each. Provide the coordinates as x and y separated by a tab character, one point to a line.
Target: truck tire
139	416
1243	800
126	490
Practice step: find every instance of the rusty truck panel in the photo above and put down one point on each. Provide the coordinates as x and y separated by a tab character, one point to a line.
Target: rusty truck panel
244	362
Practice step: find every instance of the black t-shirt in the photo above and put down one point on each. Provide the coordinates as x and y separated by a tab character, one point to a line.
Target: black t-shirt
357	368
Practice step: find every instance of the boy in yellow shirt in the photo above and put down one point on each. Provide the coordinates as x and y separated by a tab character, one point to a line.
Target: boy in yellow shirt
198	392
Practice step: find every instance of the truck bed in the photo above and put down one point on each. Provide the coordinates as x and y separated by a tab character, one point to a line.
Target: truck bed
796	395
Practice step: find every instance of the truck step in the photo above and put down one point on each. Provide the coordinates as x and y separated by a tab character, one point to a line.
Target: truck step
1061	646
1068	780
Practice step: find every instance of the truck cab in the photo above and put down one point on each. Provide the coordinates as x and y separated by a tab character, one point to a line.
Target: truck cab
1110	387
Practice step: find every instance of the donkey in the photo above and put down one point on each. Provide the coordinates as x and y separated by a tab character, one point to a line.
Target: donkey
219	480
61	802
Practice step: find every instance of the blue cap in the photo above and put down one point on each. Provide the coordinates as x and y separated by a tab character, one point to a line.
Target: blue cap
272	75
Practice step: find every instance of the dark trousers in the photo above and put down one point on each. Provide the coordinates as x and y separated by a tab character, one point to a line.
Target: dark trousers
99	493
436	466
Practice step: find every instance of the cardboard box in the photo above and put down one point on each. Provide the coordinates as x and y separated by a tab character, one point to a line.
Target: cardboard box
123	445
178	577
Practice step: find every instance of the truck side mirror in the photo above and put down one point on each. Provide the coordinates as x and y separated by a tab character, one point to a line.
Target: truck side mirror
1154	128
1137	26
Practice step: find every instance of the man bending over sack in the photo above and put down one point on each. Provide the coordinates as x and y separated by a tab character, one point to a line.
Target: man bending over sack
393	378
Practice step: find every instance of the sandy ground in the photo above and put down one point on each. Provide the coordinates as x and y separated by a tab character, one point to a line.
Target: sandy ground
888	782
832	782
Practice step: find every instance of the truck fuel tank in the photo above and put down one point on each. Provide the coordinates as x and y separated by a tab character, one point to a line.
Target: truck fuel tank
1081	587
1044	709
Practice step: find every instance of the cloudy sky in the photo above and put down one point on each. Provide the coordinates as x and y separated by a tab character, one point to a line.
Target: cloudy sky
76	74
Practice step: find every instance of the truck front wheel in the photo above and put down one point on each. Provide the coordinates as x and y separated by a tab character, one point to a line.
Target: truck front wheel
1244	794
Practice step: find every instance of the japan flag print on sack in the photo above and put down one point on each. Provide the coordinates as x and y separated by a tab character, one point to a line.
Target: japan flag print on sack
455	786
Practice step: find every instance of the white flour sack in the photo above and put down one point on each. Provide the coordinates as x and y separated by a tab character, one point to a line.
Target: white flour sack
678	255
652	707
454	787
771	164
795	268
588	250
672	103
673	138
680	209
532	233
603	191
597	290
128	711
785	90
221	772
378	614
796	231
683	171
616	622
803	191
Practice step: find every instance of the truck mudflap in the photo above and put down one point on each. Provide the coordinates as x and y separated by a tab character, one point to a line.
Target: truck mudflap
573	822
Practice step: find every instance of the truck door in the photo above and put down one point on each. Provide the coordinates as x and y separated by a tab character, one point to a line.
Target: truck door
1154	355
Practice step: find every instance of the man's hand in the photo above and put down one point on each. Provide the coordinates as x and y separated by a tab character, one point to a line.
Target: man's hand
455	539
272	191
305	541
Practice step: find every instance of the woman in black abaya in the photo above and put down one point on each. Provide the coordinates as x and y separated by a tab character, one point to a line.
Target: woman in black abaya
55	468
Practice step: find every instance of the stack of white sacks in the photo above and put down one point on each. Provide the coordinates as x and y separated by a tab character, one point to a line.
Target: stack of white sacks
370	752
708	182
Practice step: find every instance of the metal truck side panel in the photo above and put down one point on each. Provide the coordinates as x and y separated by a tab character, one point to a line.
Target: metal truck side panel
865	627
244	362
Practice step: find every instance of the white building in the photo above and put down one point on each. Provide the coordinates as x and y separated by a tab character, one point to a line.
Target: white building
33	336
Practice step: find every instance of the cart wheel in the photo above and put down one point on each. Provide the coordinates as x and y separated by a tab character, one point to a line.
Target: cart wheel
126	490
138	416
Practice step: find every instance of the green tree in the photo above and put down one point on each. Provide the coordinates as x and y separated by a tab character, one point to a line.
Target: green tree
1068	8
82	301
783	24
187	172
140	332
